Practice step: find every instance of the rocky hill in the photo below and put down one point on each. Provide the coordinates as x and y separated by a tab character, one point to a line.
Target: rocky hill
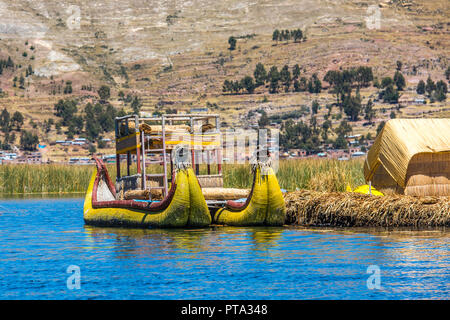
175	54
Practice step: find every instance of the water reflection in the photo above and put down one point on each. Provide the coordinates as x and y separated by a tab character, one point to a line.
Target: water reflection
40	238
134	241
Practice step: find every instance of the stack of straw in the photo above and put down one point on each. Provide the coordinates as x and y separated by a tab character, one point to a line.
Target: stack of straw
311	208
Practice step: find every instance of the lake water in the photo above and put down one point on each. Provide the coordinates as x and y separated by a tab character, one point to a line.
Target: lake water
41	238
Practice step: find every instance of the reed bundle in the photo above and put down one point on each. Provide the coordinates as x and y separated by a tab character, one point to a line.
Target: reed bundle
312	208
143	194
224	193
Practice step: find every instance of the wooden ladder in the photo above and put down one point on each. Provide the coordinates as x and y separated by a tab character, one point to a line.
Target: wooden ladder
146	152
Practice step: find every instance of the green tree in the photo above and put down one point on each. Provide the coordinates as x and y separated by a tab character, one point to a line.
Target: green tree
440	93
369	111
442	86
274	77
352	106
5	118
276	35
420	87
136	105
340	142
430	86
387	81
264	120
21	82
297	34
285	77
296	71
260	74
389	95
399	81
232	43
380	127
248	84
104	93
65	109
344	128
17	120
28	140
68	87
315	107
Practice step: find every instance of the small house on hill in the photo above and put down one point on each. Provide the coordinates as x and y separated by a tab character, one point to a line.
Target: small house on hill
412	157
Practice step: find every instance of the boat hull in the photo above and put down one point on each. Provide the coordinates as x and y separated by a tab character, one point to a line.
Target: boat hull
183	207
264	206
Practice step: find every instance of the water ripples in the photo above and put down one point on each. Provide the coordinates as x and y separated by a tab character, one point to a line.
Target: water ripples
39	239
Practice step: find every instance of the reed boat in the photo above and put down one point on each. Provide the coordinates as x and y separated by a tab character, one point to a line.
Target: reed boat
264	205
184	205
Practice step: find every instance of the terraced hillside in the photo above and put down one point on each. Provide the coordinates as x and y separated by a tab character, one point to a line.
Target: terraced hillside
175	54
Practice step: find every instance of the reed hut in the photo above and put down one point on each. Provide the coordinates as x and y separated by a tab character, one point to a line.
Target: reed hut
411	157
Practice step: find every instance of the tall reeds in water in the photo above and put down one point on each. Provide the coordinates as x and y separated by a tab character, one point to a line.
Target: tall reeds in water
312	174
51	178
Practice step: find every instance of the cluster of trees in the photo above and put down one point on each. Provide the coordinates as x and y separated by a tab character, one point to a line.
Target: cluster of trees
99	119
389	93
29	71
8	123
95	120
28	140
238	86
136	103
68	87
311	135
275	79
286	35
87	87
343	81
232	41
436	91
4	64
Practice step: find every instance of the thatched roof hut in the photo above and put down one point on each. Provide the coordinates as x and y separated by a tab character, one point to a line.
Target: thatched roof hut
412	157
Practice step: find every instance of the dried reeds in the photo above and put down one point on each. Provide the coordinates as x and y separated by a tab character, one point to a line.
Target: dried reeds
224	193
310	208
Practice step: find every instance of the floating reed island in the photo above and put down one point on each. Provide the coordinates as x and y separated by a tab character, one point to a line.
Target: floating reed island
346	209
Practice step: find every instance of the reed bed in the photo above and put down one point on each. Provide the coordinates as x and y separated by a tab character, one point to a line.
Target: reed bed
310	208
51	178
313	174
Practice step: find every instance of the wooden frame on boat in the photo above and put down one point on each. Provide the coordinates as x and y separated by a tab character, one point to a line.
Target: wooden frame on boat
141	137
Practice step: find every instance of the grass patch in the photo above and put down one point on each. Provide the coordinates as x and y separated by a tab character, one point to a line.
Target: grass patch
312	174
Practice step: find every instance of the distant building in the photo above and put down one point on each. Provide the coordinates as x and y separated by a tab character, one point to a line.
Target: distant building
80	160
358	154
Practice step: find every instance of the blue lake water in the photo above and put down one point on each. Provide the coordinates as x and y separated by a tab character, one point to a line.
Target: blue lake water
41	238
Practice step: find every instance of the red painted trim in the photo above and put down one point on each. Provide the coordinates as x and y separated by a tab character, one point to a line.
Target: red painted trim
239	206
102	173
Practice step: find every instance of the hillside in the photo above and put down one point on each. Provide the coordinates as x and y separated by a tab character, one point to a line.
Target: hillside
174	55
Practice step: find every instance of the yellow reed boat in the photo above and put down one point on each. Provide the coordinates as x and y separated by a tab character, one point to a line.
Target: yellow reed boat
184	206
264	206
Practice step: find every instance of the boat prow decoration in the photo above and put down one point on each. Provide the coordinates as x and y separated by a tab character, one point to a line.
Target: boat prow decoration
182	207
264	206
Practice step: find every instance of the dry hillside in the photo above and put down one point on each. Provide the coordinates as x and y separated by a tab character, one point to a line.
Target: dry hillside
174	54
